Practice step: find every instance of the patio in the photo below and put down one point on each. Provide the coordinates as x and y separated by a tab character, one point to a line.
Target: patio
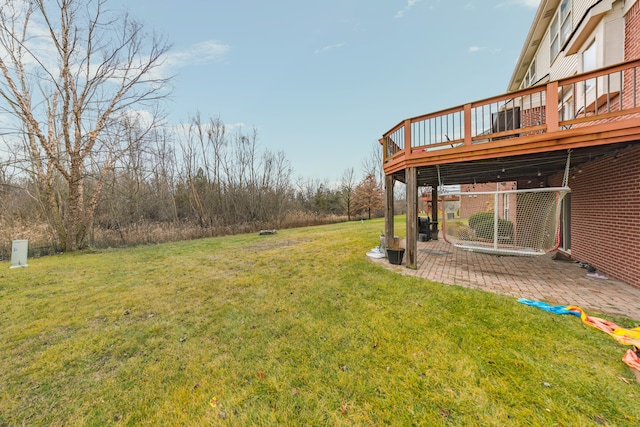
538	278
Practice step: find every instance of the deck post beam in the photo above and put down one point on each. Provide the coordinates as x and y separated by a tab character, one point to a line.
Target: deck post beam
389	231
467	125
434	212
407	137
412	218
551	109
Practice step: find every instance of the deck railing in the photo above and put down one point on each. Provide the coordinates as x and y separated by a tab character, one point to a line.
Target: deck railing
608	94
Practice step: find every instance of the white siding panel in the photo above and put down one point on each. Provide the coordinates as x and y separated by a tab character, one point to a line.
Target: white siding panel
614	36
542	58
609	35
564	66
579	9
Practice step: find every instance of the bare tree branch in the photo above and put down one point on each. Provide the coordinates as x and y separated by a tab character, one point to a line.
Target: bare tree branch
92	68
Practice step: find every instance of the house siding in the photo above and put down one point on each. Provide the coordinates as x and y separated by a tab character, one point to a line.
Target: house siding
609	32
613	34
605	195
579	9
562	65
543	57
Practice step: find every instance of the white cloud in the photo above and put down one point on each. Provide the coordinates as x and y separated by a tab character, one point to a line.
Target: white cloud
39	49
410	4
528	3
43	53
329	47
533	4
143	118
475	49
199	53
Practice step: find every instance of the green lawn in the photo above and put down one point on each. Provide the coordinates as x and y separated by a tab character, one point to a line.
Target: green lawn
299	328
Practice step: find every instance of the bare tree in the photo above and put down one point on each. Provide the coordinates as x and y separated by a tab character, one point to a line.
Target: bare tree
372	164
348	186
72	76
195	170
164	175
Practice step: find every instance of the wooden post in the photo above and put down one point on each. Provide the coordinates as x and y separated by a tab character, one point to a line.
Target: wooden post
551	109
412	218
407	137
434	212
467	124
388	209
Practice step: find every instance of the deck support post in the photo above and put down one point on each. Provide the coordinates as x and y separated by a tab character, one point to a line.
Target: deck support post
434	212
412	218
389	231
551	109
407	137
467	125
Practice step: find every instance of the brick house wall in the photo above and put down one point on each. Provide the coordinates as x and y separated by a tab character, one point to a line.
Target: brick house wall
605	195
631	49
471	203
533	117
605	214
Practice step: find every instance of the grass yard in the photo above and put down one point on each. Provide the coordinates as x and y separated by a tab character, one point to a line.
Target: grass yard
299	328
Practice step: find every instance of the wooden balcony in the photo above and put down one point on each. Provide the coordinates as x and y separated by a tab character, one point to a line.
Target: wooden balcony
520	134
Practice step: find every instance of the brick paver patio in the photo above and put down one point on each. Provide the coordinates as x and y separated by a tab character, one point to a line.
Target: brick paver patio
539	278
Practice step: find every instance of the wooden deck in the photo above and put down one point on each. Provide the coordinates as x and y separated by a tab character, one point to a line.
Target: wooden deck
586	113
525	136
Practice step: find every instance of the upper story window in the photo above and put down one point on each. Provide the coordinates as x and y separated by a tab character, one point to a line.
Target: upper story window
589	58
560	27
589	63
530	77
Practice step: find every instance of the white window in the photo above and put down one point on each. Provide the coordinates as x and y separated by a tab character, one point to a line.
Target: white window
561	27
589	63
530	77
589	58
566	110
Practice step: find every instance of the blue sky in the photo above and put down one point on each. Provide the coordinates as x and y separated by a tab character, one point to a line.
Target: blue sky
323	80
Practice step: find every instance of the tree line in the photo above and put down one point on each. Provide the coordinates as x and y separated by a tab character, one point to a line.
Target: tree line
196	176
86	153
